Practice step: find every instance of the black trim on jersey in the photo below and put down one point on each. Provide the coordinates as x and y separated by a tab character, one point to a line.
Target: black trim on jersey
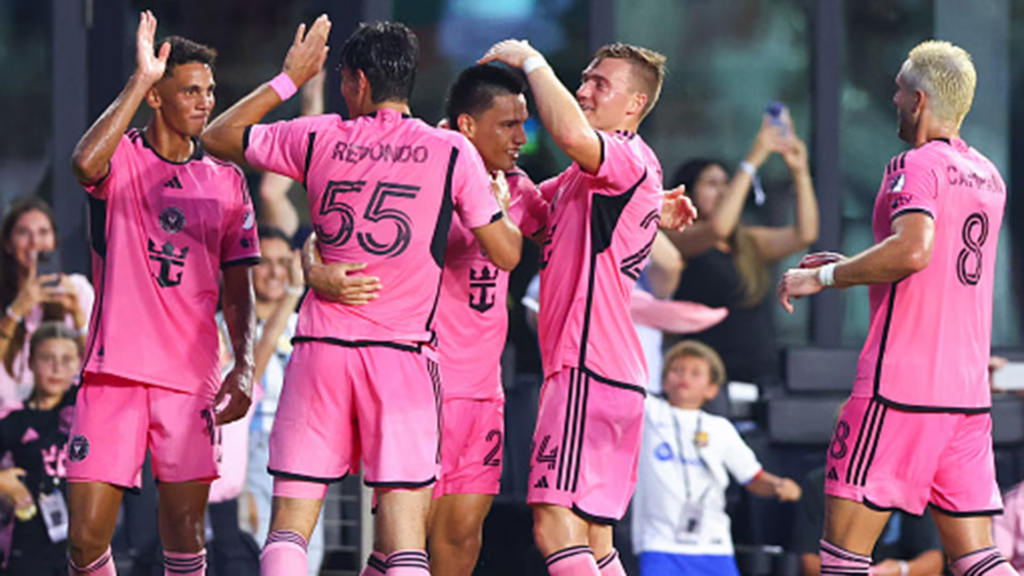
197	150
309	159
248	261
615	383
946	140
601	140
497	216
416	348
930	409
903	160
409	485
605	212
97	211
439	243
912	211
300	477
593	518
885	338
245	139
966	514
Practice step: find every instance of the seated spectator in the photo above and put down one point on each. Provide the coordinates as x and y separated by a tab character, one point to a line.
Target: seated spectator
727	262
679	520
1008	527
36	437
29	299
909	545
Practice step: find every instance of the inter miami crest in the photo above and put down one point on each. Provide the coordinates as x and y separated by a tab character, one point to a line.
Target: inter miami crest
172	219
78	448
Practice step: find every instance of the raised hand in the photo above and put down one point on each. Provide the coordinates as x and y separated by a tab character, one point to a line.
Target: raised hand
677	211
797	283
511	52
308	51
499	187
150	65
819	259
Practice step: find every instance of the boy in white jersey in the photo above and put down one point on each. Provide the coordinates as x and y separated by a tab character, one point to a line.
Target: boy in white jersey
916	430
679	520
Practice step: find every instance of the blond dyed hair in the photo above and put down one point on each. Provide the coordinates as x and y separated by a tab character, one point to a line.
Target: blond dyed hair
699	350
946	74
648	67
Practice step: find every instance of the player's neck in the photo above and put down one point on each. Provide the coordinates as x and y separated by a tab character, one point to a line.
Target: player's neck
400	107
168	143
926	134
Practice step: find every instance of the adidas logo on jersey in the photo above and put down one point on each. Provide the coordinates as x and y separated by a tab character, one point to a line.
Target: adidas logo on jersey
832	474
173	183
542	483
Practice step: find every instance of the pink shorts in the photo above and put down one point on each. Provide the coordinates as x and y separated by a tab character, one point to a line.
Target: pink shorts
586	446
893	459
340	404
117	419
471	447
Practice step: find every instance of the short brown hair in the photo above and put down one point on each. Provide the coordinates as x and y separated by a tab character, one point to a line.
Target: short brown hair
648	65
694	349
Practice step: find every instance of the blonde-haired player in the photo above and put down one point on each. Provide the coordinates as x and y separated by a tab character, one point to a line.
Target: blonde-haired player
916	431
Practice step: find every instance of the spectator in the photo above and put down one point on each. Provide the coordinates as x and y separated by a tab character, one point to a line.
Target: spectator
727	262
278	283
28	299
1008	527
36	436
679	520
909	545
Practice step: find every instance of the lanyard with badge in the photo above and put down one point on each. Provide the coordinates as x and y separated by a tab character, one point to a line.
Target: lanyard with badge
52	507
692	515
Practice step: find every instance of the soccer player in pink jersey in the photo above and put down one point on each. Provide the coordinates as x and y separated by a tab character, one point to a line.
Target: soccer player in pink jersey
167	222
917	430
605	212
363	383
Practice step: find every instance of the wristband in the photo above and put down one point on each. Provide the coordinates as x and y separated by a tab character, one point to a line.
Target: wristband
283	85
748	168
294	290
533	63
904	568
827	275
13	315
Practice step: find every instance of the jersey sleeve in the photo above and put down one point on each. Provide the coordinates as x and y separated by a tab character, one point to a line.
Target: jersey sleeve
738	458
529	210
240	243
911	185
282	147
471	189
621	168
118	171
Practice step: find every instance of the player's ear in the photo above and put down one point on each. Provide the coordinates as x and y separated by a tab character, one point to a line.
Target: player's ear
920	101
636	105
466	125
153	97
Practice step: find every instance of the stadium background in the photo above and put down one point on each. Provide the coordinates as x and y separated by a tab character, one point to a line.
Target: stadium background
832	62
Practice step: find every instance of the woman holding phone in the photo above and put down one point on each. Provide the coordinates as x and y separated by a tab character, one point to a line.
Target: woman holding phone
727	261
32	290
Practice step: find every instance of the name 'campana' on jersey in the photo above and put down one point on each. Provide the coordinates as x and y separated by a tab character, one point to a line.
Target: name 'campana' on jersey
379	152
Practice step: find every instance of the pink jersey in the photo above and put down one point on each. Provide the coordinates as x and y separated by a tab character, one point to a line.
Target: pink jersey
472	321
161	233
600	232
928	344
382	189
